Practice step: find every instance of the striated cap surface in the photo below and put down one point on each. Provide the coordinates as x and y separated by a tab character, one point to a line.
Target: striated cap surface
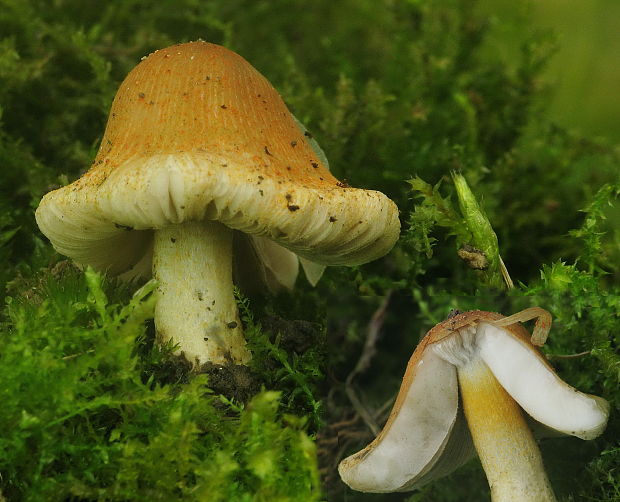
196	133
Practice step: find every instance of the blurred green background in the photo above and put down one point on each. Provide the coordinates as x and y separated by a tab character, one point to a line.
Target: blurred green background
584	73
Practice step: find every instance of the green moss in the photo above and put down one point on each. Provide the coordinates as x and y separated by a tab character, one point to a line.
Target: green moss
295	372
86	418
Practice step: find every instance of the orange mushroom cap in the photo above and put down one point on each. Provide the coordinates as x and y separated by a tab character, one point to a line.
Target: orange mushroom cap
200	97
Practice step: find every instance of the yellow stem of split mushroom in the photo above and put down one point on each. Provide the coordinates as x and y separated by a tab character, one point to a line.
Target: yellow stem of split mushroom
507	449
196	308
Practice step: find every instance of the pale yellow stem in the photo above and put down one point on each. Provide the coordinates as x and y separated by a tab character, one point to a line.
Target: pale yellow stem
196	307
506	447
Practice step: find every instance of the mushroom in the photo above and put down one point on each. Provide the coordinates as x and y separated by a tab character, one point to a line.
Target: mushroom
199	144
500	374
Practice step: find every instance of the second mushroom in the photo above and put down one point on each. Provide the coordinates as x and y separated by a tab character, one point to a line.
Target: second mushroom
472	382
199	145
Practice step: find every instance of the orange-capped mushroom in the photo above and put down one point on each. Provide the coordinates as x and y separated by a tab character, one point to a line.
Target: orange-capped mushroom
199	144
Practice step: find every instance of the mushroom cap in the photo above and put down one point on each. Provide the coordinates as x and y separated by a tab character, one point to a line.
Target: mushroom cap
426	436
196	133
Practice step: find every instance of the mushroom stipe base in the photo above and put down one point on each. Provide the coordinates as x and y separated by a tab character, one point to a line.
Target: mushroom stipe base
196	307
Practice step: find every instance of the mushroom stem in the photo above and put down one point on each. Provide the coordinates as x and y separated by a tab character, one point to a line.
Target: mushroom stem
196	307
506	447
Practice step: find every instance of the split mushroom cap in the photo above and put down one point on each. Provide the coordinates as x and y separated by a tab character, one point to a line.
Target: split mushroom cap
195	133
427	436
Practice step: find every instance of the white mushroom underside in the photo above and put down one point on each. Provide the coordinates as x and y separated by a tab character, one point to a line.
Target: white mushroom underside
279	266
415	439
537	389
529	381
332	226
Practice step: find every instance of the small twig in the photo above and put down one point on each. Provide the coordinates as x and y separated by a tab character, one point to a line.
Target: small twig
333	441
363	363
73	356
343	423
361	409
569	356
372	336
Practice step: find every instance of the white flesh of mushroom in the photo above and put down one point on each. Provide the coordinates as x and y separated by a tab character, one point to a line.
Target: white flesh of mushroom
537	389
417	436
